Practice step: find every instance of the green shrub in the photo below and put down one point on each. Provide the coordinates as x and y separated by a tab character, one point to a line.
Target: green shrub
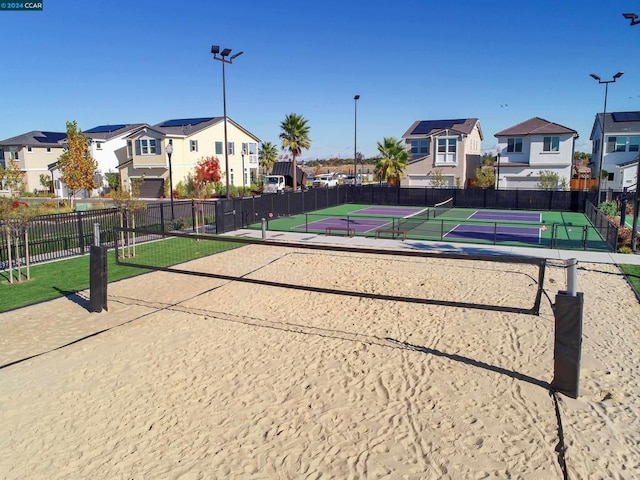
610	209
624	249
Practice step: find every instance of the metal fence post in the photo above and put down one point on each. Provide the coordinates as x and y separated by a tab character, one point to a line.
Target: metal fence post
80	232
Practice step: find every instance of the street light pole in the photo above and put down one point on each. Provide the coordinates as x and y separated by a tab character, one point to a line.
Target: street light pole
169	152
498	173
355	139
222	57
604	119
243	171
636	199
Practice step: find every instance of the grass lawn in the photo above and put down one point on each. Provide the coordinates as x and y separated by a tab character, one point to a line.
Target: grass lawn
633	275
64	277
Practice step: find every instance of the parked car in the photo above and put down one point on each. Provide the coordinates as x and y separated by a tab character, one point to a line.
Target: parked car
325	180
353	180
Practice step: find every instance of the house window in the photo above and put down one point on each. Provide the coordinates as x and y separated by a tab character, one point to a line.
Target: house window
634	144
218	148
618	144
231	148
13	155
193	145
446	145
253	148
231	177
98	145
551	144
147	146
514	145
48	149
244	149
420	146
129	149
28	148
610	177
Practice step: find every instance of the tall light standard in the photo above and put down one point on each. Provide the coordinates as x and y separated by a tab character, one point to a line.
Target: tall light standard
169	150
498	173
355	139
244	151
636	201
222	57
604	118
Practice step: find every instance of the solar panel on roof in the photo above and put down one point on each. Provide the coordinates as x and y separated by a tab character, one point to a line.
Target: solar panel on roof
428	125
105	129
626	116
51	137
181	122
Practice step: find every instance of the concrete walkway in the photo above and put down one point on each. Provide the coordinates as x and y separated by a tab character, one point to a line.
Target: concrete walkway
443	247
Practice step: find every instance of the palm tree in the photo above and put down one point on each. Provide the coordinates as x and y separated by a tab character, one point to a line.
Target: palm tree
267	154
394	159
295	137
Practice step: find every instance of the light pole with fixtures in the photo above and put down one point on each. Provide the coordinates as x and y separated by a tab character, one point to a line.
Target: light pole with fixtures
355	139
222	57
636	200
604	118
169	150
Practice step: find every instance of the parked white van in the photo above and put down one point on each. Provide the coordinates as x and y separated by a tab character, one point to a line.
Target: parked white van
273	184
325	180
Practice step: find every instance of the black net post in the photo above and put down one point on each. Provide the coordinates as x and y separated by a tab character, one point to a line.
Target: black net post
97	273
98	278
568	343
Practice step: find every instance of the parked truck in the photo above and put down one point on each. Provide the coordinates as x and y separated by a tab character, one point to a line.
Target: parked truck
273	184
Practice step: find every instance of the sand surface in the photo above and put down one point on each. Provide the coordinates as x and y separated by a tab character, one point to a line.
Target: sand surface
193	377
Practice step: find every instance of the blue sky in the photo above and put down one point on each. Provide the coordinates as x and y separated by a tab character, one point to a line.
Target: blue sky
100	62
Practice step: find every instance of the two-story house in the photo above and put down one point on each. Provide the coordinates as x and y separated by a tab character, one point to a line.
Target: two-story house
531	147
192	139
34	152
442	149
108	147
621	148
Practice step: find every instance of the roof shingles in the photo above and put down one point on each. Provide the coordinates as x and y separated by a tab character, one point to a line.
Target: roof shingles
535	126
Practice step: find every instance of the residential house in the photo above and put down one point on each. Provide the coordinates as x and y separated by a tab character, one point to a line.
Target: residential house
530	148
108	147
622	147
34	152
192	139
443	149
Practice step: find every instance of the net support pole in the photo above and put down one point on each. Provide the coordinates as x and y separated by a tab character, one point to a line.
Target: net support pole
97	278
572	276
567	350
264	228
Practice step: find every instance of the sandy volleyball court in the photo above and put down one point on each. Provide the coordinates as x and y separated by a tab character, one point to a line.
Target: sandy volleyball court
196	377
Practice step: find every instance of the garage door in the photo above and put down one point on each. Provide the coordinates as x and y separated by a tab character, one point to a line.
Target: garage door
152	188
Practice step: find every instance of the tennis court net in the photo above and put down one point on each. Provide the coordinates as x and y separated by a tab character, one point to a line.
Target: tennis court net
442	207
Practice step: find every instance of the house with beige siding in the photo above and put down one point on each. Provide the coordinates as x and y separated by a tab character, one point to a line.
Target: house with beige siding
34	152
192	139
530	148
449	149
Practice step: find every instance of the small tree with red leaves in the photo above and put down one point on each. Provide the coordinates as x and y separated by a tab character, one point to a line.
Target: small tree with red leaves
207	173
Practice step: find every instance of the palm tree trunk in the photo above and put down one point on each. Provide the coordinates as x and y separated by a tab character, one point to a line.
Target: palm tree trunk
295	165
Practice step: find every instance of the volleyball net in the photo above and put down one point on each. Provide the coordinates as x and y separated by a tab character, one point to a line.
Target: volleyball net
407	275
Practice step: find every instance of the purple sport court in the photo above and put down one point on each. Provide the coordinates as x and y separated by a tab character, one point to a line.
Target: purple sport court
498	233
388	211
512	216
359	225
